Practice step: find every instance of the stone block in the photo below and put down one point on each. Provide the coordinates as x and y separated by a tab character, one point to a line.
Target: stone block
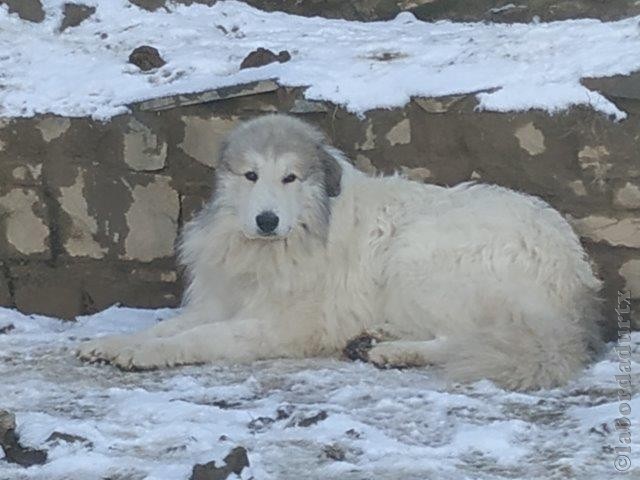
203	137
617	232
630	272
152	220
22	222
80	238
143	149
627	197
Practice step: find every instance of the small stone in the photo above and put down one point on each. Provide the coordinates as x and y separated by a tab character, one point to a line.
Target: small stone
308	421
57	437
225	405
262	57
146	58
149	5
10	443
7	422
74	14
235	462
334	452
284	412
353	433
260	424
30	10
4	330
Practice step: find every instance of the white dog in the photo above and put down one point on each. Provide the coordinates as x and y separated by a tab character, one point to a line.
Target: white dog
298	252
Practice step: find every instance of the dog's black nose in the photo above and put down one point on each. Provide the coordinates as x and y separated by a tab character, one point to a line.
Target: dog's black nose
267	222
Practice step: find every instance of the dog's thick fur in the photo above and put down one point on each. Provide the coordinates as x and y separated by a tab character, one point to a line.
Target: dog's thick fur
478	279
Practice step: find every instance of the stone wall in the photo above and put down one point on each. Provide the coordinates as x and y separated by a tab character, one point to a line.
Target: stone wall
372	10
90	211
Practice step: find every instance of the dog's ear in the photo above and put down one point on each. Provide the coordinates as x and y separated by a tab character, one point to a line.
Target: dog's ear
332	172
221	154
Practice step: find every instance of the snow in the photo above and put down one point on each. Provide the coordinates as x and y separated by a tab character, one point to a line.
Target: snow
83	71
391	424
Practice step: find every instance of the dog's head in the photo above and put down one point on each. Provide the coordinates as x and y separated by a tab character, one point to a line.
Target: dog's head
276	174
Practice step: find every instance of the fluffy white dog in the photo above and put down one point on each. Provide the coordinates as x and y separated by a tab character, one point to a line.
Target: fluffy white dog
298	252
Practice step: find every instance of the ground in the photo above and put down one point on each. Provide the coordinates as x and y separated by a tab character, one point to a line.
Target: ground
383	424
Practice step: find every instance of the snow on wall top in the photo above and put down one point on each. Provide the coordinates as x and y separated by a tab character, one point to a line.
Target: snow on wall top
83	71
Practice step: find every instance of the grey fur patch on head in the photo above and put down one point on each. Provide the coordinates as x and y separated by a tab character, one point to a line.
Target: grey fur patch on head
280	134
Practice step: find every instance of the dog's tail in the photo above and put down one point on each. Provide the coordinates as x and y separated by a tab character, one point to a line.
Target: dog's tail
523	355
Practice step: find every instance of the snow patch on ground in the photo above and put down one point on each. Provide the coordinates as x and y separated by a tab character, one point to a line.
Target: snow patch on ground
83	71
390	424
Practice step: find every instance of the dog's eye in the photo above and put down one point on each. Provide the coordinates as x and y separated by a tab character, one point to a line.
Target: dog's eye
289	178
251	176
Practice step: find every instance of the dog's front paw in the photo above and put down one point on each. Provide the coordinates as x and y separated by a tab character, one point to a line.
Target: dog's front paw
393	355
104	349
150	355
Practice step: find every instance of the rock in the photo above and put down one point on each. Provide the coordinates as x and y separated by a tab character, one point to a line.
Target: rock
352	433
235	462
225	405
6	329
308	421
284	412
7	422
149	5
57	437
10	443
30	10
146	58
262	56
74	14
334	452
260	424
